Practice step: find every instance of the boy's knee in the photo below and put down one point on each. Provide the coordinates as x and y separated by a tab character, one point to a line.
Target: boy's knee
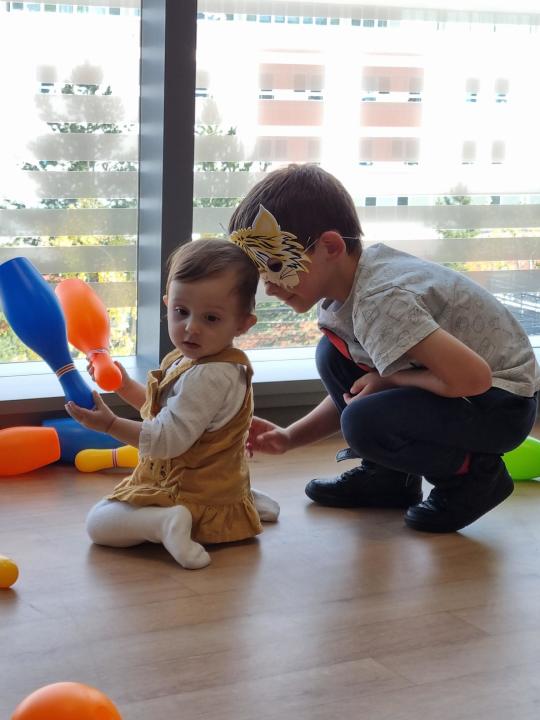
360	428
323	353
329	361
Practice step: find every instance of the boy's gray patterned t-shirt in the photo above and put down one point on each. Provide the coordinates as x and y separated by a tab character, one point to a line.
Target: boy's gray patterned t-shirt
398	299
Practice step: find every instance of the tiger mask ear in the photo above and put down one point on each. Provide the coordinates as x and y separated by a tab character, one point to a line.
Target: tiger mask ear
278	255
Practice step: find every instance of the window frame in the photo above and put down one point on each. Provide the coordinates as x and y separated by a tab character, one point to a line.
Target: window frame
168	47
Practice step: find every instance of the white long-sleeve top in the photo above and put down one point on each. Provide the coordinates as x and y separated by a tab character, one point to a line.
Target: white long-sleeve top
205	397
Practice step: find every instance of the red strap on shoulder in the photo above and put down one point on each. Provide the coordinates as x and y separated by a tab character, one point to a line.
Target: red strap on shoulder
340	345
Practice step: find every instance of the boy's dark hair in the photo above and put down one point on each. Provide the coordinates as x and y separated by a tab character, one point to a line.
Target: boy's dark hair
203	258
306	201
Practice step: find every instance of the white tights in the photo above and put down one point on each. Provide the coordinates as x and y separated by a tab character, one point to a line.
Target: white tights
118	524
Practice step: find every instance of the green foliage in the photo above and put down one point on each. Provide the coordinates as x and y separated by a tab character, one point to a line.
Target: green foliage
279	326
122	319
222	166
458	199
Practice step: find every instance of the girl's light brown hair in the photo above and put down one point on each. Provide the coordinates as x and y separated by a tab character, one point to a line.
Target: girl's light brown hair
201	259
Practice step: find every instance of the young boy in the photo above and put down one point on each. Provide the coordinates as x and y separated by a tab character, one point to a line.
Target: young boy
191	485
427	373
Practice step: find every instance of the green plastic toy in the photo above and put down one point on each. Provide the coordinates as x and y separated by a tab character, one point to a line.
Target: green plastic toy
523	463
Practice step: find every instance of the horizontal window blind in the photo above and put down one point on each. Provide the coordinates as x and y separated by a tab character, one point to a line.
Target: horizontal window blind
426	111
69	135
461	10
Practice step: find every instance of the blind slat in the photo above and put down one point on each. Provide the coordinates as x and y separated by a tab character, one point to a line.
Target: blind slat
68	222
446	180
64	72
507	281
89	108
115	295
79	258
224	184
279	146
457	217
438	10
460	250
69	184
79	146
103	3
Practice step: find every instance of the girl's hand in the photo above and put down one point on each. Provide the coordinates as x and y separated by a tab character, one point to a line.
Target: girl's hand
100	419
90	369
125	377
368	384
266	437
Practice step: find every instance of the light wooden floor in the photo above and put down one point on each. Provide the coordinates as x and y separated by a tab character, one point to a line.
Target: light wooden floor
330	614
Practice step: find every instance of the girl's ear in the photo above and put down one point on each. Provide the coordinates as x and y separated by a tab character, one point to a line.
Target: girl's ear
246	323
165	300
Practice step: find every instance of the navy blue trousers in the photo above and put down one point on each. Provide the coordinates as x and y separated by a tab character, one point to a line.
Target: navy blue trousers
418	432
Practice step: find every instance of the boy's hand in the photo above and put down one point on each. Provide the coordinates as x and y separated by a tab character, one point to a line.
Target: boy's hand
100	419
368	384
266	437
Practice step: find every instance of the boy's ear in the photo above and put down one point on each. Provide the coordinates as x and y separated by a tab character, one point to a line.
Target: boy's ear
166	300
333	243
246	323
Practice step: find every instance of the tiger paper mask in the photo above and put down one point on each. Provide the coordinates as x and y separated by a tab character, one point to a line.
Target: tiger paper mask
278	255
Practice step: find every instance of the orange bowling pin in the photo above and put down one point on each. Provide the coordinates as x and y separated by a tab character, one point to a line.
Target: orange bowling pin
92	460
88	329
23	449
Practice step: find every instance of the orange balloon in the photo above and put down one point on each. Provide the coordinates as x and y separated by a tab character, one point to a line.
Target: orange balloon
88	329
66	701
23	449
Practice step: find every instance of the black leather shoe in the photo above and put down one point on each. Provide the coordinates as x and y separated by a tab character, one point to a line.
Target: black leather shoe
458	501
367	485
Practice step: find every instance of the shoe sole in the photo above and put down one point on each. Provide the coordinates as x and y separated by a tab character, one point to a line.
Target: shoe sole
432	525
394	503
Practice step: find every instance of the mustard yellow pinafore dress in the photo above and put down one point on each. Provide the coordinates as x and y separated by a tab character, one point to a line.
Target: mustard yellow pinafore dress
211	478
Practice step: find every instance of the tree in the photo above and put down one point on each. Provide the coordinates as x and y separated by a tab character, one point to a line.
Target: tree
123	318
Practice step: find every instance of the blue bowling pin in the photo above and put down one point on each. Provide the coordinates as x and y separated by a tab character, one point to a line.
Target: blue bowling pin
34	313
74	438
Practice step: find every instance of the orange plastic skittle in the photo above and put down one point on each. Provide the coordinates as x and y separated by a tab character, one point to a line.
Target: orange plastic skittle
88	329
26	448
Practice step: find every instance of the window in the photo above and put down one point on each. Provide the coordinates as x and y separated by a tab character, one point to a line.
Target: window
165	178
441	132
413	151
69	178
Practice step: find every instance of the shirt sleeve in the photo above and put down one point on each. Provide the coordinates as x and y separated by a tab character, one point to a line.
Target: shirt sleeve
388	324
204	397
